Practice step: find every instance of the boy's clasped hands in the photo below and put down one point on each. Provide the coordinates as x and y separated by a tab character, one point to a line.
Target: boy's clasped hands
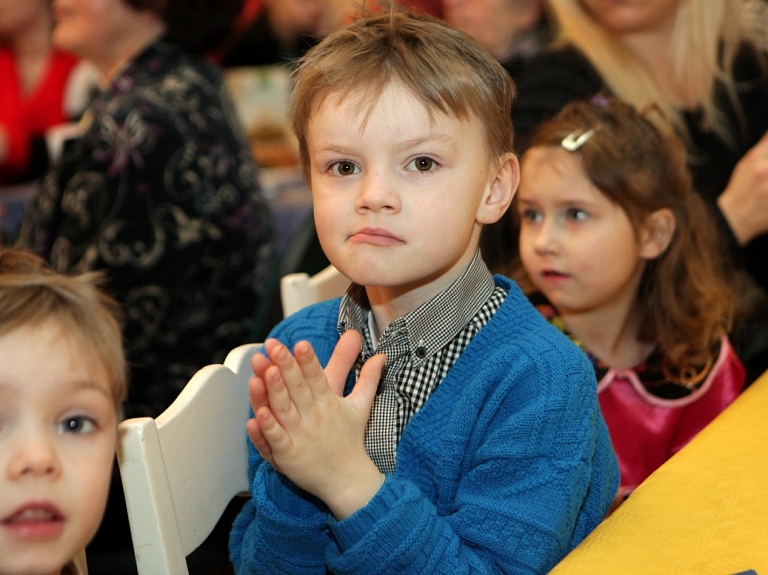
307	430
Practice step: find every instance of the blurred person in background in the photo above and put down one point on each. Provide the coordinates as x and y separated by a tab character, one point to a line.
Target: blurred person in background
42	90
280	32
512	30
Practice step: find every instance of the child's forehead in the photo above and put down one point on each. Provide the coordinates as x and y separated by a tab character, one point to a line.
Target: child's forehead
70	364
362	100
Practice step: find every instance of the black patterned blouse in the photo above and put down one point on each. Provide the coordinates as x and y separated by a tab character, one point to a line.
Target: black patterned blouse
161	192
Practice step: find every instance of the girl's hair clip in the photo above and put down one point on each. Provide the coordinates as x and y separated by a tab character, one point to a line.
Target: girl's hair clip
572	142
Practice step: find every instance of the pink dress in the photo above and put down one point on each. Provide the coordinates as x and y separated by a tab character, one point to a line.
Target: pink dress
653	409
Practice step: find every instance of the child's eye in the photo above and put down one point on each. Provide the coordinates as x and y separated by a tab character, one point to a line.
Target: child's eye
576	214
532	216
344	168
422	164
75	424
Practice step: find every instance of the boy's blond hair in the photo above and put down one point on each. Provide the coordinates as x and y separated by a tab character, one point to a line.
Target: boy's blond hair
446	70
31	293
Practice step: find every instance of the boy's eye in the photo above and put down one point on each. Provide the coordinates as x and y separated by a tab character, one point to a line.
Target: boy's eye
422	164
75	424
576	214
344	168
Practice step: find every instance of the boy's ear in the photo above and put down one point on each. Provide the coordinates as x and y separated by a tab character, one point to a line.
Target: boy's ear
657	233
501	189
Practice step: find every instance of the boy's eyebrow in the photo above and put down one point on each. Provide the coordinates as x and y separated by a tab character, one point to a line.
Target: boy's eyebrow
429	139
78	384
399	146
68	385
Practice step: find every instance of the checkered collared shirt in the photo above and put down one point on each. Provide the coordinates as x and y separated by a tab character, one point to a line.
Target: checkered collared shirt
421	347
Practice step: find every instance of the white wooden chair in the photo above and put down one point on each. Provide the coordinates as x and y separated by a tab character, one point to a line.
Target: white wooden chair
300	290
81	562
181	470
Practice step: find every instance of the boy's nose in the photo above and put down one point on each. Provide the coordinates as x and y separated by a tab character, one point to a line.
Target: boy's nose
34	458
377	193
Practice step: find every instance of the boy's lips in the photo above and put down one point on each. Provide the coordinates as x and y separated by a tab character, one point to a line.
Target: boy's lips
38	519
375	236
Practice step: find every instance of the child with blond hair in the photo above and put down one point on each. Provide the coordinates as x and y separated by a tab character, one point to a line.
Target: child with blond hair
62	383
430	420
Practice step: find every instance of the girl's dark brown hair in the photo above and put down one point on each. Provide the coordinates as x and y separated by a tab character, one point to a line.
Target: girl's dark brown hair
634	158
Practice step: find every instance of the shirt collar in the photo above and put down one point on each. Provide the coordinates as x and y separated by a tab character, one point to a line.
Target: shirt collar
428	327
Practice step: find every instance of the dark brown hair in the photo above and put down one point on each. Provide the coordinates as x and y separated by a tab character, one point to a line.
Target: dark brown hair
198	26
635	159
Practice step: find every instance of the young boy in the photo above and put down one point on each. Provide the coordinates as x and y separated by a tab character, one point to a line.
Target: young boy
478	446
62	382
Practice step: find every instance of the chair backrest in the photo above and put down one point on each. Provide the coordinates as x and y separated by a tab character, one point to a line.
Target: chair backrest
300	290
181	470
81	562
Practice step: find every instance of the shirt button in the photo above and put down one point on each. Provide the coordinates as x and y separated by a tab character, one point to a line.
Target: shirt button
421	352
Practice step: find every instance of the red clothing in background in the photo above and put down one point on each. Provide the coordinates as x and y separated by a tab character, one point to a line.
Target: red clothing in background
25	116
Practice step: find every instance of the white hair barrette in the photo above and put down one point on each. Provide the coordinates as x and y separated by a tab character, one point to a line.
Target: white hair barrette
572	142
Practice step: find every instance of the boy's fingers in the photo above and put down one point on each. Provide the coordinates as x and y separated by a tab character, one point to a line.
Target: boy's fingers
257	438
343	358
291	374
310	366
277	440
280	402
257	392
260	363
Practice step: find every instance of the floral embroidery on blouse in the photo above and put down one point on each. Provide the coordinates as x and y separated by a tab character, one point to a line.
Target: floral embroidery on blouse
161	192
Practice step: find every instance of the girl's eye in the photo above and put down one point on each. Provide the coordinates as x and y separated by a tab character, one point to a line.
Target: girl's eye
344	168
532	216
576	214
422	164
75	424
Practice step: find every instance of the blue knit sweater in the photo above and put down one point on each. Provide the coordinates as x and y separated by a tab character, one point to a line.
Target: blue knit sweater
505	469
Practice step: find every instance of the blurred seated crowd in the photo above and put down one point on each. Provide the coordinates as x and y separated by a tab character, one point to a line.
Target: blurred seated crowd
122	151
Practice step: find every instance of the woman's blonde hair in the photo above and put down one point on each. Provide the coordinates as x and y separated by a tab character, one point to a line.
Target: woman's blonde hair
31	293
707	38
445	69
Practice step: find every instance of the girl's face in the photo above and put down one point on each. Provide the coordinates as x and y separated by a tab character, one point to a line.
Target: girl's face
631	16
578	247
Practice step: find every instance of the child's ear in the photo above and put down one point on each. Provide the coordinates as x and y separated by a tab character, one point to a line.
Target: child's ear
501	189
657	233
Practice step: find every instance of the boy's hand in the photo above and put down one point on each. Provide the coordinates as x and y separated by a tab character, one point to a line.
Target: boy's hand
307	430
342	360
